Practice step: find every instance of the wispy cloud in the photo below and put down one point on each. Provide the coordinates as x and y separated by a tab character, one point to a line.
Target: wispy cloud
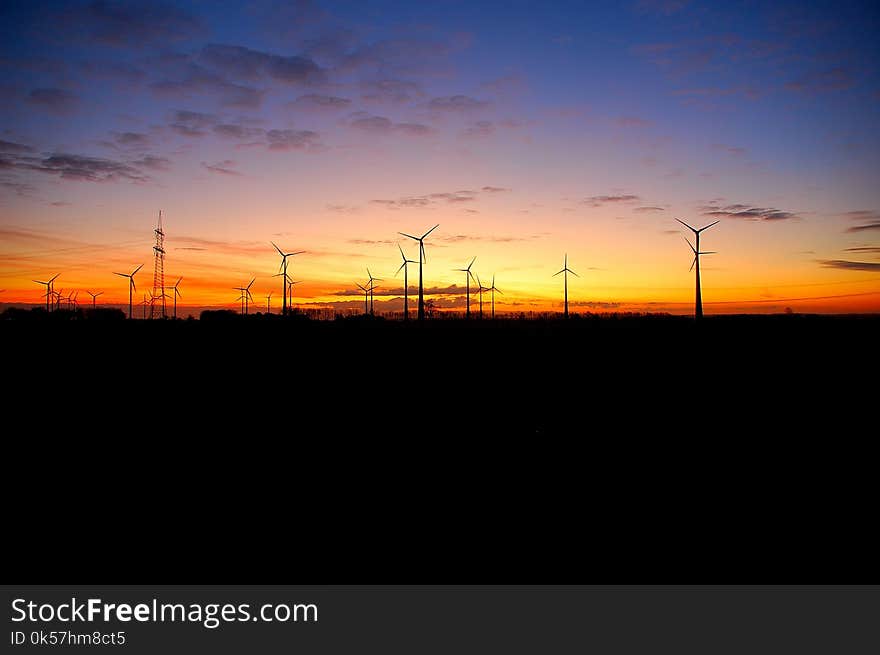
317	101
598	201
872	218
457	103
366	122
747	212
849	265
648	210
224	167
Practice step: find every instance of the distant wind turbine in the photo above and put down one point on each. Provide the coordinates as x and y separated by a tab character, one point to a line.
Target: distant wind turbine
175	294
366	297
422	260
566	270
698	302
371	282
131	286
283	268
268	303
94	296
147	302
48	285
405	282
481	289
290	284
467	278
245	296
493	289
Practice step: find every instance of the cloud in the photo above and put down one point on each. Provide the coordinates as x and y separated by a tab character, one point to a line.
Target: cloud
480	129
317	101
391	91
451	290
136	22
14	148
57	101
152	162
132	140
457	103
632	121
192	123
865	227
648	210
598	201
244	63
867	249
232	131
847	265
222	167
834	79
366	122
91	169
426	200
747	212
293	140
196	79
494	189
459	238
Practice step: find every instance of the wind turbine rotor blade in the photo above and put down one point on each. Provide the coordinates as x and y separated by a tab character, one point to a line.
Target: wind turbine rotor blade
136	270
686	225
710	252
431	230
422	251
471	274
558	272
409	236
693	263
709	225
277	248
402	256
298	252
52	279
114	273
401	268
252	281
133	286
691	245
573	273
471	264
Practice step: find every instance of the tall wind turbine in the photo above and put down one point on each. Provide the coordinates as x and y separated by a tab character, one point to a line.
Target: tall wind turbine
94	296
566	270
468	276
283	268
48	289
422	260
698	302
175	294
405	282
131	286
493	289
366	297
268	303
290	284
372	286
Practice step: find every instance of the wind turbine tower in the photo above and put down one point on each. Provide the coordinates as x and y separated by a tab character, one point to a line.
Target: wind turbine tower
405	282
422	258
468	276
566	270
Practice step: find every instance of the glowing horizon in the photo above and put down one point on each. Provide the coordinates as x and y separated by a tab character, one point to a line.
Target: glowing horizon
330	131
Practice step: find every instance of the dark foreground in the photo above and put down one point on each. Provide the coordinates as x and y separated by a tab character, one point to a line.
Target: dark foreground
606	450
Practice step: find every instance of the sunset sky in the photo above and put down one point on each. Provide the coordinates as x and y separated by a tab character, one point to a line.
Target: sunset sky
526	130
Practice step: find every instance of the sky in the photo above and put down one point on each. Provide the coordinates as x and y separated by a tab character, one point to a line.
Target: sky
528	131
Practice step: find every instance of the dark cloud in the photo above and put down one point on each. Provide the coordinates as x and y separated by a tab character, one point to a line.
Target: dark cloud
426	200
844	264
494	189
479	129
233	131
866	249
632	121
458	196
648	210
598	201
192	123
319	101
152	162
91	169
14	148
132	140
292	140
222	167
834	79
390	90
865	227
244	63
58	101
191	78
135	22
747	212
457	103
366	122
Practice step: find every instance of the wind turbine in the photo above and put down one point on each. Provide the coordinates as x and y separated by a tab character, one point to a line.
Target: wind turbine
698	302
467	278
147	302
58	298
566	270
366	297
405	282
290	285
372	286
175	294
422	260
268	301
48	289
131	286
283	267
493	289
245	295
94	296
481	289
